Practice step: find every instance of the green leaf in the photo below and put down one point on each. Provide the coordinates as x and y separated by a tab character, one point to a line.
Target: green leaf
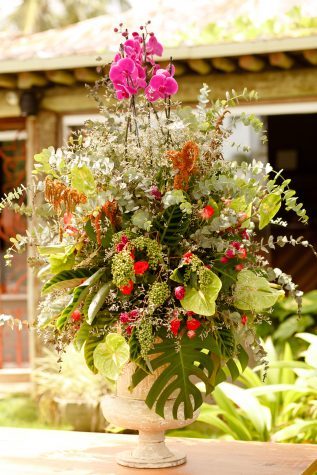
171	225
60	263
177	276
268	208
83	180
111	355
243	357
293	430
98	301
259	415
254	293
79	294
81	336
179	361
89	348
42	162
234	371
201	301
65	279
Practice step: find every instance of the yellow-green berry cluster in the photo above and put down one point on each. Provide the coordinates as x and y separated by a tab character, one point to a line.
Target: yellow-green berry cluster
122	268
145	337
205	277
152	249
158	294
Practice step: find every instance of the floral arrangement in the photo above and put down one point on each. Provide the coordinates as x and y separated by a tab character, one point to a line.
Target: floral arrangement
146	239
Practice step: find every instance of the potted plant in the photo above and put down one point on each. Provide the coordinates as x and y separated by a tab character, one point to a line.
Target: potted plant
149	250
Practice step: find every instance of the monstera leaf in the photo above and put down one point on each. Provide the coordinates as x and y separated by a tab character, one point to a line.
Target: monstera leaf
253	292
180	361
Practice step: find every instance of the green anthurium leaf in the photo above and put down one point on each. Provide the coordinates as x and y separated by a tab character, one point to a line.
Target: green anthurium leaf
202	301
253	292
98	301
111	355
66	279
83	180
268	208
177	276
180	360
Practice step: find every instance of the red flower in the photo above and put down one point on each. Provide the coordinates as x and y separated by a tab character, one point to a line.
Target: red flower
224	260
124	317
242	254
120	247
193	324
191	334
127	289
239	267
230	254
140	267
129	330
188	257
174	326
133	315
180	292
207	212
76	315
245	234
236	245
190	313
244	319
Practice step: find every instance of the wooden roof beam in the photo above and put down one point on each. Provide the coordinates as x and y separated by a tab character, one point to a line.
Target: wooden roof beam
251	63
281	60
59	76
28	79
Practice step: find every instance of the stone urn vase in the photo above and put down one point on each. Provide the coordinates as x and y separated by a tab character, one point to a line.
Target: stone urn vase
128	409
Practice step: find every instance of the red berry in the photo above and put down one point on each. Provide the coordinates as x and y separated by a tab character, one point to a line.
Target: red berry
180	292
76	315
244	319
239	267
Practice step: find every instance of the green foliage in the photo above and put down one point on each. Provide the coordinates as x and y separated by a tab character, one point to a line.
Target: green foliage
184	359
268	208
254	293
97	301
111	355
285	322
171	225
202	300
8	199
282	408
65	279
83	180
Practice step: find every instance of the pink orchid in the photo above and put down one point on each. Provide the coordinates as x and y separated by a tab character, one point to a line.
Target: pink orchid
127	77
162	84
153	46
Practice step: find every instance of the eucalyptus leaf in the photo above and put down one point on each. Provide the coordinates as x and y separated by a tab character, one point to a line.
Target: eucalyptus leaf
268	208
83	180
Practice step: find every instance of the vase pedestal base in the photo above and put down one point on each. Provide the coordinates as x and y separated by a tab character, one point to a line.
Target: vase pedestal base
151	452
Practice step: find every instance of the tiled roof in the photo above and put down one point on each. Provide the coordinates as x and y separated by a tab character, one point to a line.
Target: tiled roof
176	27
